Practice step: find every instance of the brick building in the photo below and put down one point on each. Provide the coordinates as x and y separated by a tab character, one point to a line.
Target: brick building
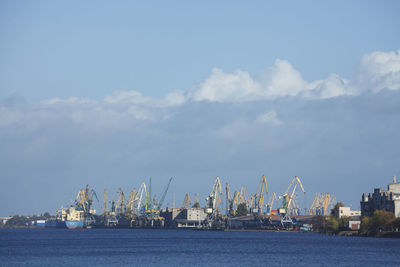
388	200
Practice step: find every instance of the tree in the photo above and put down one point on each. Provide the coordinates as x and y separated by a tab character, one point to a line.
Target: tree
381	220
365	225
344	223
332	225
18	221
335	210
319	223
241	210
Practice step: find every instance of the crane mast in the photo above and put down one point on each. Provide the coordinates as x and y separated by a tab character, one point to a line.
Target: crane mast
270	203
214	198
138	202
228	199
289	205
164	194
196	201
105	208
258	198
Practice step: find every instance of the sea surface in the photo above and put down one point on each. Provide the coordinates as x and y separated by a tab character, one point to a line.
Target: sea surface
132	247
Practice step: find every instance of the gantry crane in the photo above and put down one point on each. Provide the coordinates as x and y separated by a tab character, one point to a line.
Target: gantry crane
138	202
129	204
228	199
149	204
213	199
258	199
196	203
289	203
242	197
270	203
313	210
322	204
84	203
109	218
163	195
105	208
186	202
120	203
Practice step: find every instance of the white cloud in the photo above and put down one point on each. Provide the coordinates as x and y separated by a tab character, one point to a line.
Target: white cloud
375	72
233	87
123	97
333	86
122	109
379	70
269	118
281	80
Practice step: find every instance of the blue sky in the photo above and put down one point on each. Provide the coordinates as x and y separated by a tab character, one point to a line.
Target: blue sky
113	93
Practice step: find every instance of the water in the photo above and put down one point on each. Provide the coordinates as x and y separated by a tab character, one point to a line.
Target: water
62	247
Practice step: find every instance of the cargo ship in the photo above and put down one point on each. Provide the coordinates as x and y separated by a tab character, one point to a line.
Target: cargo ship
67	218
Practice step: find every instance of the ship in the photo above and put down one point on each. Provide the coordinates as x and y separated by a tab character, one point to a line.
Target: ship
69	218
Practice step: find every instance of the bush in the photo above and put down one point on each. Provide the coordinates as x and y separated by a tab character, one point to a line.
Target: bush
365	225
332	225
18	221
319	223
382	220
335	210
344	223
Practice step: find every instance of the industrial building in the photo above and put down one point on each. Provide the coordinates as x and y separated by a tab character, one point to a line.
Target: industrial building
354	216
347	212
184	218
388	200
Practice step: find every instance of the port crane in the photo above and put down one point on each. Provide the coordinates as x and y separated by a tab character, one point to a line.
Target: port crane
164	194
270	203
120	203
229	199
130	202
105	208
149	204
232	201
186	202
289	203
109	217
258	199
322	204
196	201
84	202
242	197
138	201
213	199
233	204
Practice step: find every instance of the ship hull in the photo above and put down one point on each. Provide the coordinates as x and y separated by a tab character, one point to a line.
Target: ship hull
64	224
74	224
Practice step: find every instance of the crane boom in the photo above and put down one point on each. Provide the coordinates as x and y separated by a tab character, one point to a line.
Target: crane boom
289	204
164	194
214	198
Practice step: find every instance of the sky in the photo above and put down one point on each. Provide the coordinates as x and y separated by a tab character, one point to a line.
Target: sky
110	94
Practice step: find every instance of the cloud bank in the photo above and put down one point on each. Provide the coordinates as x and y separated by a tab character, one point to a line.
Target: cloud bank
375	72
333	130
